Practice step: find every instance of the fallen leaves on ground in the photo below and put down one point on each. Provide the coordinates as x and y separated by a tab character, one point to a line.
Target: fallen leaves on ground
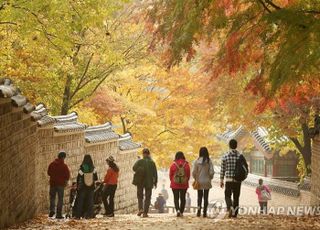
169	221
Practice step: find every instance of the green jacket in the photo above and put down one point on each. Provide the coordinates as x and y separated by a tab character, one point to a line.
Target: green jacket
145	173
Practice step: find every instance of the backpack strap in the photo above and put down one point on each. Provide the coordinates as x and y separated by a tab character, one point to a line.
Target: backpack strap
178	166
80	172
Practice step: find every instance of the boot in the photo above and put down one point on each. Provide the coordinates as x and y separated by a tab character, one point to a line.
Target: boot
199	212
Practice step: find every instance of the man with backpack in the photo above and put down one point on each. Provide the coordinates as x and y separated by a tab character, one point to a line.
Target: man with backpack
145	178
59	175
234	169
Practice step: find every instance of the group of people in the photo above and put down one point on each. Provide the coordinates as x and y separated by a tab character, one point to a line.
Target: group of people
87	178
234	169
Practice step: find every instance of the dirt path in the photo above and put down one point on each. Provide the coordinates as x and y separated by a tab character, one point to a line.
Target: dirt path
166	221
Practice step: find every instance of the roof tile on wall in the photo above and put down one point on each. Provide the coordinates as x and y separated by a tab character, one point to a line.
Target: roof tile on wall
100	133
126	143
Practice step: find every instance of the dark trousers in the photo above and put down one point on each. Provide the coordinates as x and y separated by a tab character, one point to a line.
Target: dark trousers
54	191
85	203
232	188
179	196
205	195
263	207
144	205
108	198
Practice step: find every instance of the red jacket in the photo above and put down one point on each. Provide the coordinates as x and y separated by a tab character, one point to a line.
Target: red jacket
173	170
111	177
59	173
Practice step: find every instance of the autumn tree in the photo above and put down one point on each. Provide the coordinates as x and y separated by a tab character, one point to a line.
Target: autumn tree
70	47
165	110
268	46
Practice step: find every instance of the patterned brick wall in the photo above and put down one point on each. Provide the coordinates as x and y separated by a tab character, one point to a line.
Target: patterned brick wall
30	140
125	199
18	150
315	167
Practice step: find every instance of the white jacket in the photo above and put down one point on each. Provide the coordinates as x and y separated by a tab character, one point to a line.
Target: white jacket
203	173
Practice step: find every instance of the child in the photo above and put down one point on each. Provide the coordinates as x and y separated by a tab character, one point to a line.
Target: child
264	194
72	199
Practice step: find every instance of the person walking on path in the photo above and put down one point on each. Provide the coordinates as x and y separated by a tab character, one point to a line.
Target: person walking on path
264	195
110	186
59	175
87	176
145	178
228	172
179	181
202	173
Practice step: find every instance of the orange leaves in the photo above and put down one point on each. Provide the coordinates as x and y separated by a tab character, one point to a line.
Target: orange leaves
104	104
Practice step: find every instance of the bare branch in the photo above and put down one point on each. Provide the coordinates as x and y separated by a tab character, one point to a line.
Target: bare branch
8	23
78	87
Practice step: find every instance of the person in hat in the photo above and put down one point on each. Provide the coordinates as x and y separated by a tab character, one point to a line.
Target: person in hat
59	175
110	186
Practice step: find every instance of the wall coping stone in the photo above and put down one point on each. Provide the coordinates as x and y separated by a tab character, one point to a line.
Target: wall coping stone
100	133
126	143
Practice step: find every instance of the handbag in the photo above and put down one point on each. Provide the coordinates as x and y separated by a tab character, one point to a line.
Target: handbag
195	185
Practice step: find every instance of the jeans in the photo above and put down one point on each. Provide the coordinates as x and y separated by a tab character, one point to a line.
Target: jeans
147	199
179	194
108	198
232	188
263	207
205	195
54	190
85	203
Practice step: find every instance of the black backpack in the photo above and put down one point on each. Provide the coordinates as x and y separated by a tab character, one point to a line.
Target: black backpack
241	170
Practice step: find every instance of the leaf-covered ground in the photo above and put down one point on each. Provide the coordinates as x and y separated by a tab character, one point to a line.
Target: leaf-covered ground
169	221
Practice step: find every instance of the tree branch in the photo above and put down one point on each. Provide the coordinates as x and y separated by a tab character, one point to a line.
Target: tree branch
93	90
8	23
273	5
78	87
297	143
265	6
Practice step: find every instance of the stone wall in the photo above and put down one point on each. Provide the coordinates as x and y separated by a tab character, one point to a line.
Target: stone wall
17	164
315	168
30	139
125	199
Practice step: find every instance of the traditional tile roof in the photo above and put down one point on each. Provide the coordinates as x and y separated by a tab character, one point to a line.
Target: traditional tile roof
39	113
261	142
126	143
100	133
232	134
8	90
260	137
68	123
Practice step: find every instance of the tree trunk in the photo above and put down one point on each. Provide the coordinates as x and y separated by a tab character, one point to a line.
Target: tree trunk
66	96
305	149
124	127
